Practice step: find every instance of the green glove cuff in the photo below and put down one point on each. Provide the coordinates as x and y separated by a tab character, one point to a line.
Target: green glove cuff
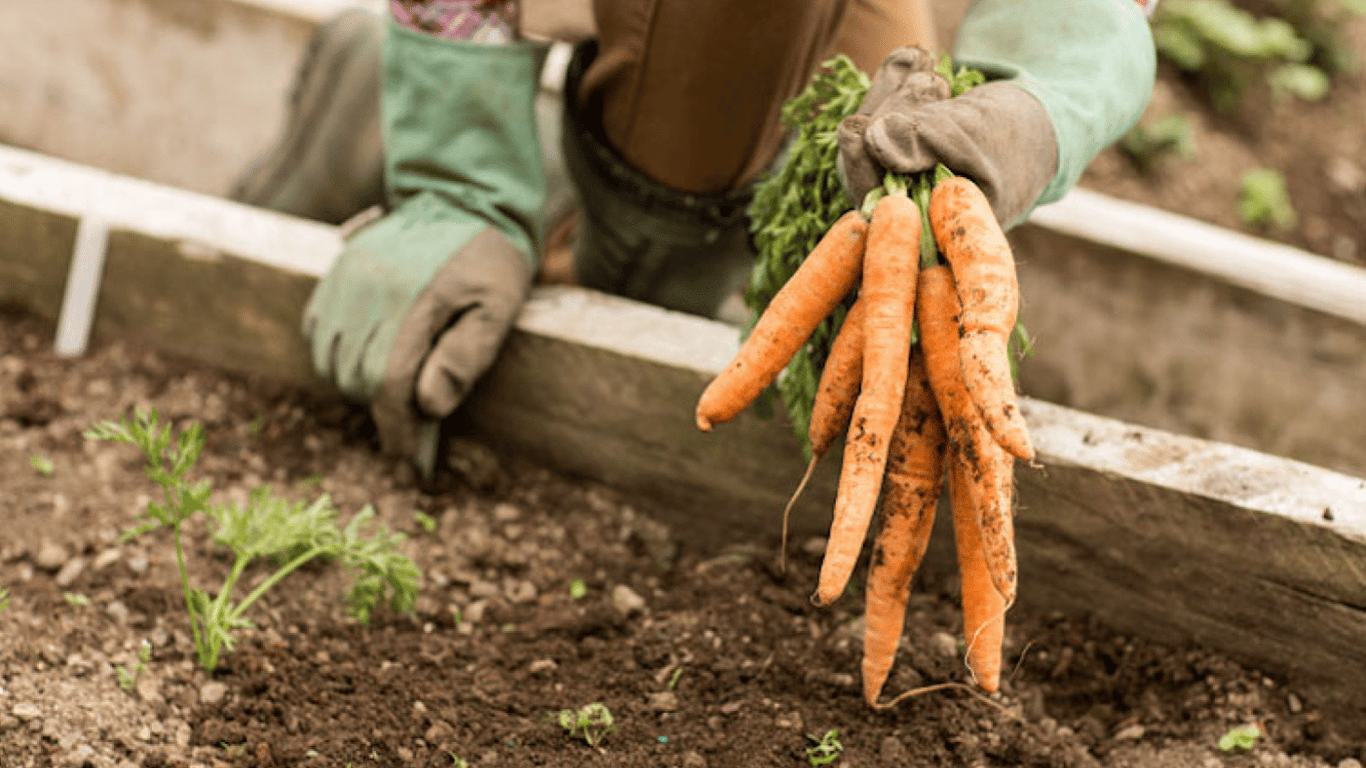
460	122
1091	63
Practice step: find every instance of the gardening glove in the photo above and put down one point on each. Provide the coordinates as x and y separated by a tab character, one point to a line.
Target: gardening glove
418	303
1067	78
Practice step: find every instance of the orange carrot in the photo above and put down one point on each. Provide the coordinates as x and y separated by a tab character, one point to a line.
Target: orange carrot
984	608
833	404
819	284
984	269
989	469
840	382
890	266
915	473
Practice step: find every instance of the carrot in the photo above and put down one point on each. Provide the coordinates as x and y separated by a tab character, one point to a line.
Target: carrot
988	467
819	284
984	269
833	405
915	473
890	266
983	607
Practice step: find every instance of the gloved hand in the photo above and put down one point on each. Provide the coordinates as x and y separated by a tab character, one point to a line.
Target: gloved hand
418	304
1067	78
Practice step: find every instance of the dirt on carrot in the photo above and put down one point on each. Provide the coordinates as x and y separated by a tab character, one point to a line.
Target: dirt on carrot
891	261
915	474
984	270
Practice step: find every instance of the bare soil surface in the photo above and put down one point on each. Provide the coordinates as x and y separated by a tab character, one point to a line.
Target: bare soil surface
705	657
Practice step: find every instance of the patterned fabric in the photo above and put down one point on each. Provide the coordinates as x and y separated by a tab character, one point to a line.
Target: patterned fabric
1148	7
478	21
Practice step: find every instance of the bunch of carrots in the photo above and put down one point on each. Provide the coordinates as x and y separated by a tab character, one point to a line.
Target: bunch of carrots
918	378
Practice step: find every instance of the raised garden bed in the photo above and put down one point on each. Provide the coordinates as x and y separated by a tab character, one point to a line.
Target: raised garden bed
713	657
1172	588
1158	537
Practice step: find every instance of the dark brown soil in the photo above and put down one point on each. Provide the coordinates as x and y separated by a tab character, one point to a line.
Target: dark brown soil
703	656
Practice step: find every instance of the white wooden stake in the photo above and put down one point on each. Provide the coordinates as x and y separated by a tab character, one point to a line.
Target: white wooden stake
82	286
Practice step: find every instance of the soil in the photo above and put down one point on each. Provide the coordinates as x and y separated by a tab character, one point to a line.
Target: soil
704	656
1317	146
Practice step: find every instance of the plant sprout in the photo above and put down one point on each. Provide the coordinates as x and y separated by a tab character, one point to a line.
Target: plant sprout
289	533
590	723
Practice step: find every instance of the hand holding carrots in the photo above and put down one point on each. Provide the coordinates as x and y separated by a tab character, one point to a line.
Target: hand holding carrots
914	410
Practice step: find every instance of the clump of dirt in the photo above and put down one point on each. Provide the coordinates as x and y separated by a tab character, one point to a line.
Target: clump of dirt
541	593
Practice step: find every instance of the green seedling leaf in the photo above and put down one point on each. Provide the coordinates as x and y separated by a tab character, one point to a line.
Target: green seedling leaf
1145	143
1244	737
42	465
1301	80
75	599
590	723
1264	201
4	598
424	521
577	589
128	678
825	749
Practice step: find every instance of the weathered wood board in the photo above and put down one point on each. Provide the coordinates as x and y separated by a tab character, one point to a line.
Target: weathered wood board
1163	535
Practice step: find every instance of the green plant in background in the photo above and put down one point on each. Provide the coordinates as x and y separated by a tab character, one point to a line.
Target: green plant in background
591	722
1264	201
1244	737
1320	22
289	533
824	749
1293	53
1146	142
424	521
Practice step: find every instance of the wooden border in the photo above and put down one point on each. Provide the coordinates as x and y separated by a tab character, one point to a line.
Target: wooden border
1159	534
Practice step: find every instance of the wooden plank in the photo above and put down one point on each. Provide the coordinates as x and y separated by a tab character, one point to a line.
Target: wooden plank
1269	268
1182	352
1164	535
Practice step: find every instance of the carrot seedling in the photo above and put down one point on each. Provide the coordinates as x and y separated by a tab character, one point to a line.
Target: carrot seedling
288	533
591	723
825	749
128	678
1244	737
4	598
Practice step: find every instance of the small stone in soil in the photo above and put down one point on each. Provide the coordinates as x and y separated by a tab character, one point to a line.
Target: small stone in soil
212	693
663	701
541	666
944	644
51	556
1131	733
70	572
626	600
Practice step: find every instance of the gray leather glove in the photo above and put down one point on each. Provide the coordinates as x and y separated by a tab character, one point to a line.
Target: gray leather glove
995	134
